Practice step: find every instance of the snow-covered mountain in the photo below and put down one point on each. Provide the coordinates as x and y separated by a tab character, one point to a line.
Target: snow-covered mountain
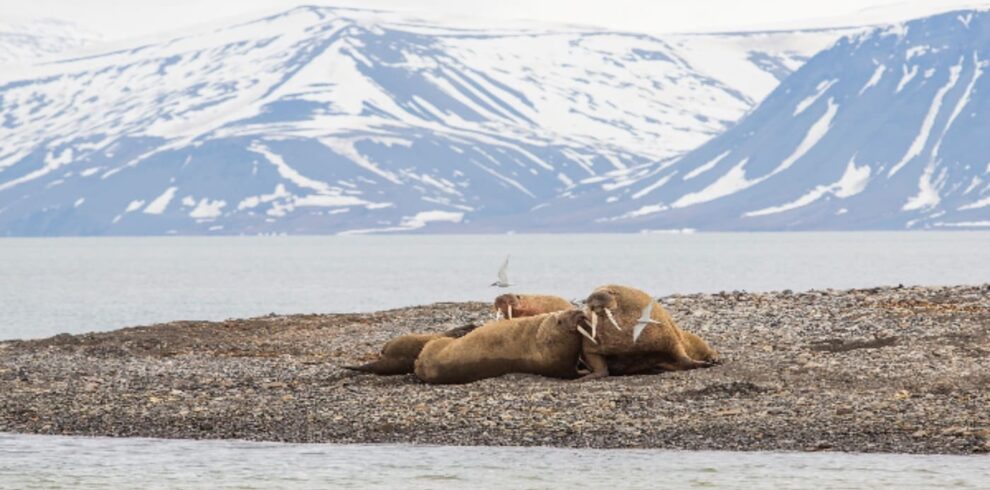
885	130
326	120
33	40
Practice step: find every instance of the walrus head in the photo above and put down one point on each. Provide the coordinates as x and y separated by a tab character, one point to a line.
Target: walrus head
504	304
576	320
600	304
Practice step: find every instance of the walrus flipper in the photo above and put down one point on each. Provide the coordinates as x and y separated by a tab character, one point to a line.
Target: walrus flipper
385	367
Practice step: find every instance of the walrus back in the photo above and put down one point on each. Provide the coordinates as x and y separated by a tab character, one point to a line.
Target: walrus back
498	348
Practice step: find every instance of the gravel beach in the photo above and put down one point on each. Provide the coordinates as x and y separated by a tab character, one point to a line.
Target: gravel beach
903	369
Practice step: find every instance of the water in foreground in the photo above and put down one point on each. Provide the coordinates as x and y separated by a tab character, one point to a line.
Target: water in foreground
75	462
74	285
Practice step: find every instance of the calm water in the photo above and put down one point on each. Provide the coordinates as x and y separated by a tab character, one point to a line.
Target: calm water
81	463
49	286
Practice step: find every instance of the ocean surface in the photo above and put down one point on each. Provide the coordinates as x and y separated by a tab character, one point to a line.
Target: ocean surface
55	285
50	462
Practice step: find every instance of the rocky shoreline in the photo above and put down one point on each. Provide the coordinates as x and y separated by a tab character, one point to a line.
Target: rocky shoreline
902	370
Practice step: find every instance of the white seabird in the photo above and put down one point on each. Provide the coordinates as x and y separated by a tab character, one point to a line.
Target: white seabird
643	321
503	275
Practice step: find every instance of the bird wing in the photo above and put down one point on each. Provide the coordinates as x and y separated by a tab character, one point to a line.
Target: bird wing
503	272
638	330
647	312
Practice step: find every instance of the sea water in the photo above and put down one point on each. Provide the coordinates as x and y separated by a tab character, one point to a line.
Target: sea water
29	461
55	285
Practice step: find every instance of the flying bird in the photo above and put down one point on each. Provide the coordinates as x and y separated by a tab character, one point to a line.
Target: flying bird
643	321
503	275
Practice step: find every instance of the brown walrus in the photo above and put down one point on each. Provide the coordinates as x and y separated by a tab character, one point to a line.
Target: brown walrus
547	344
618	316
398	356
522	305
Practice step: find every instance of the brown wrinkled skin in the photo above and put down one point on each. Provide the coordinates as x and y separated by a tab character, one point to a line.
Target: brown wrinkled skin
547	345
661	347
524	305
399	355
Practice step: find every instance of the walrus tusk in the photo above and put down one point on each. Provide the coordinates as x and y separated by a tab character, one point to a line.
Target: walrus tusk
498	313
510	312
611	318
594	324
586	334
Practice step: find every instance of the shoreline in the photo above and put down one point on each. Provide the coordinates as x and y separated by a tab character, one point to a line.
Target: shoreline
890	370
470	447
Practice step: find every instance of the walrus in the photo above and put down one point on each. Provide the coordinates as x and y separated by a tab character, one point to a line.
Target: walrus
522	305
547	345
398	355
616	313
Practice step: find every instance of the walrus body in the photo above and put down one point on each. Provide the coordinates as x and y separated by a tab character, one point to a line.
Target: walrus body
662	346
399	355
547	345
522	305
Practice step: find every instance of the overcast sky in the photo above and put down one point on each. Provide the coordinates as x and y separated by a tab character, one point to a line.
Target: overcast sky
115	19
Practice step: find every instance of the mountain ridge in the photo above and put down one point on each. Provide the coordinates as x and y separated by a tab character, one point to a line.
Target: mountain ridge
880	131
313	121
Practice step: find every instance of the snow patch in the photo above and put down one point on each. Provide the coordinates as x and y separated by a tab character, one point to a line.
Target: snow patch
906	76
706	167
927	196
134	206
207	208
852	182
654	186
822	87
982	203
966	224
874	79
328	201
926	126
158	205
731	182
255	201
815	133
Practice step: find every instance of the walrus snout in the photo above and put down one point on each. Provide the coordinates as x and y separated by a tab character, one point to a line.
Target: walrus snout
505	303
601	300
601	304
580	321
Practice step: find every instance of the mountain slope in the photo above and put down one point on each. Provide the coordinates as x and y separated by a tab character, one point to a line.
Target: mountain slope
322	120
885	130
30	41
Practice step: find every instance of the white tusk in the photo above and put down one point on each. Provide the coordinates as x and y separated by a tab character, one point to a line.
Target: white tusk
611	318
586	334
594	324
510	312
498	313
